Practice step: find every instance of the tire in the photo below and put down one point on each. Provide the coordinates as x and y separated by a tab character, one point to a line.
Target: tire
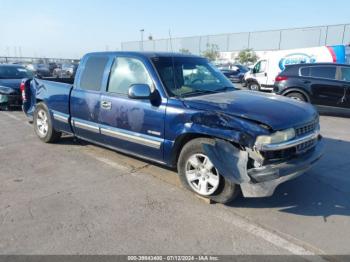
43	125
223	192
297	96
254	86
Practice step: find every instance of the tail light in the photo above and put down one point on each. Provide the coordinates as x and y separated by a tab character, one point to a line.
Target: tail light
22	88
281	78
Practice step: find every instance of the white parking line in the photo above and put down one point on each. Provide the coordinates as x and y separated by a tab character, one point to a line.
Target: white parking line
11	116
14	117
271	237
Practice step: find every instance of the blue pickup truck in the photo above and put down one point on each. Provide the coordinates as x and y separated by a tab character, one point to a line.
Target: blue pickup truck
182	112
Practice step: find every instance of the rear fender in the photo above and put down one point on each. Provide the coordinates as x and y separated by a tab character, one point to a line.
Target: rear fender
29	99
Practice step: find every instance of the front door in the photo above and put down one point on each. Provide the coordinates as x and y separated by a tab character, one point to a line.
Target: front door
135	126
260	72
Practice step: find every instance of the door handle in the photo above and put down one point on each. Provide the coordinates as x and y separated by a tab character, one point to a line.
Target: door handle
106	105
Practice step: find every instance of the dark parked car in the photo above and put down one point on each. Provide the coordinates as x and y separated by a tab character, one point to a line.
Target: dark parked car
325	85
180	111
10	80
235	72
42	70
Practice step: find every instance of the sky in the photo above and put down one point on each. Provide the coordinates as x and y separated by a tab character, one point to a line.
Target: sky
70	28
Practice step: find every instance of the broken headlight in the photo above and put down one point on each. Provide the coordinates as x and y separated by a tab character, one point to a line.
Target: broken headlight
275	138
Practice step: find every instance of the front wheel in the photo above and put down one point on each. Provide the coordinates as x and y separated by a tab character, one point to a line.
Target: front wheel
43	125
198	174
254	86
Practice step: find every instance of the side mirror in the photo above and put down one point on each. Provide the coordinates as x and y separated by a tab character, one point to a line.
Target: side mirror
139	91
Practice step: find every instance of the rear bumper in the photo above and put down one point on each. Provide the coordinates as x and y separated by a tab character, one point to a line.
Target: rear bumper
269	177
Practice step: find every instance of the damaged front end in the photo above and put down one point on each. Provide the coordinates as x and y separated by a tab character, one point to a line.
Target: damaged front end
261	166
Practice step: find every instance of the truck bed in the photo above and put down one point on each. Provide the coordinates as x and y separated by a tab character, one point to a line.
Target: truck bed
55	92
68	80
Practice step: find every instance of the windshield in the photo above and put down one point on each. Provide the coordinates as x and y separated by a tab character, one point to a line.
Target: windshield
12	72
190	76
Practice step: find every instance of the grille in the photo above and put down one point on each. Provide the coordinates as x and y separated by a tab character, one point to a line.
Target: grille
305	146
280	154
304	130
299	149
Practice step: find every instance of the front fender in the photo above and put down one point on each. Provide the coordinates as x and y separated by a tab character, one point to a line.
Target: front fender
238	131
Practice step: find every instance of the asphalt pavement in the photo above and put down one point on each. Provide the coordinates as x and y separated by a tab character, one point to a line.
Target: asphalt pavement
77	198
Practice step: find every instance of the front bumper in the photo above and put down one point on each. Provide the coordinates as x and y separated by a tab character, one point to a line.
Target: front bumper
266	179
10	100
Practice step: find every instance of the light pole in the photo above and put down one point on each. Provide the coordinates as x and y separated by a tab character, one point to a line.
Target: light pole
141	44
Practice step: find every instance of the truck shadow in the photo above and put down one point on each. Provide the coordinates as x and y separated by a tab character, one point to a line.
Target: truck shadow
67	140
323	191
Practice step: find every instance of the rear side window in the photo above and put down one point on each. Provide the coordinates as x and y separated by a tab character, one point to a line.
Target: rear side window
345	74
92	76
125	72
328	72
305	71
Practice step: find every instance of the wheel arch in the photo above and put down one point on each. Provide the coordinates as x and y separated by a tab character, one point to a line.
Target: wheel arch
185	138
181	141
297	90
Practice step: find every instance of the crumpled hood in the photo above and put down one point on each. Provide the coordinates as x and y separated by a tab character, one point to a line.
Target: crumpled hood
277	112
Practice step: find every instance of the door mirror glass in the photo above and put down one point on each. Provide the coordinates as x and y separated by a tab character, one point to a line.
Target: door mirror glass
139	91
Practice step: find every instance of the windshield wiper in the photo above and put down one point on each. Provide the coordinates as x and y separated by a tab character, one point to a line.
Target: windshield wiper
198	92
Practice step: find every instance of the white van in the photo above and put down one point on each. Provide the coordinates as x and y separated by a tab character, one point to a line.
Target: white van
262	76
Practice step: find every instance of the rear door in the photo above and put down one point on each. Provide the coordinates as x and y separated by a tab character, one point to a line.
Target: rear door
135	126
326	89
86	97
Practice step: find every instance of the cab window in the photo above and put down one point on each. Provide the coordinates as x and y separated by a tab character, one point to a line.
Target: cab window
92	76
260	67
127	72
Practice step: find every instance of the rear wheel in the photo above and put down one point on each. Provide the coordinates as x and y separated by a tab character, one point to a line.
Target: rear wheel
198	174
297	96
43	125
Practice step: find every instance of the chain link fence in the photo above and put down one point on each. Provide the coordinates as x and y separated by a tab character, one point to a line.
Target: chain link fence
34	60
259	41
